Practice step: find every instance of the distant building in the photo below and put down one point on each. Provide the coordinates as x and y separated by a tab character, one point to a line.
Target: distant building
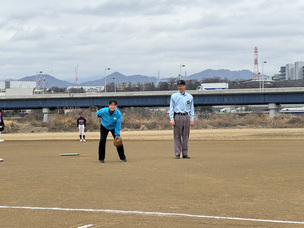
299	70
123	85
281	76
290	74
88	88
17	85
291	71
213	86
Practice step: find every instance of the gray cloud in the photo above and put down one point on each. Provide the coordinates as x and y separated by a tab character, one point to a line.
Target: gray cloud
142	37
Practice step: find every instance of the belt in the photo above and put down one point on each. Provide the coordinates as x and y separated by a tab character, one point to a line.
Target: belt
183	114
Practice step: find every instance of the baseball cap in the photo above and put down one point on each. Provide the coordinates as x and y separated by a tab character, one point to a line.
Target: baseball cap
181	82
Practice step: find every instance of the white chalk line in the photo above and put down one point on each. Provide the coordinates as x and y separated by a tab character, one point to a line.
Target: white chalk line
86	226
151	213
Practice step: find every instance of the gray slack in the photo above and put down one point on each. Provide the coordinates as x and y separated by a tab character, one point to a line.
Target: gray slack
181	134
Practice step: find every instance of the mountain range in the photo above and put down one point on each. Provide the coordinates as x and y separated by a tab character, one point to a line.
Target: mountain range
48	81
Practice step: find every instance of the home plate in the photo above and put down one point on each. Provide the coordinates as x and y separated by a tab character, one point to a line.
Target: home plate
1	160
69	154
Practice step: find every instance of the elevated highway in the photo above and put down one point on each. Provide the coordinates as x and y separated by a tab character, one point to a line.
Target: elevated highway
272	97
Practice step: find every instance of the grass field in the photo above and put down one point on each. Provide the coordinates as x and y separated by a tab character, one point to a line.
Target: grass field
235	178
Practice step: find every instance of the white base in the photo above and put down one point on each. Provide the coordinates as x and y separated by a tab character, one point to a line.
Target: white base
69	154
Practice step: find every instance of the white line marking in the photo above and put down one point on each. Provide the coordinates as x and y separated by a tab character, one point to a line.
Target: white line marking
86	226
150	213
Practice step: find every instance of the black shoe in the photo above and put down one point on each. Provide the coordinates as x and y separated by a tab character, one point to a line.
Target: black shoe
177	156
101	161
124	160
186	156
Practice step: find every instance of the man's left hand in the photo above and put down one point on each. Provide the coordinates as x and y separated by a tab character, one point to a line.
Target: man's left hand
191	122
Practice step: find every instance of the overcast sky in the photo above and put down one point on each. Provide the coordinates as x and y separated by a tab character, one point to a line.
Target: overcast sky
147	36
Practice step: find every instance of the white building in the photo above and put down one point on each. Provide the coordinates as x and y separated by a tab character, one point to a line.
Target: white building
17	85
292	71
88	88
299	72
290	74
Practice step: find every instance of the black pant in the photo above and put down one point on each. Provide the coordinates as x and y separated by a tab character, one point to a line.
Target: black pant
102	144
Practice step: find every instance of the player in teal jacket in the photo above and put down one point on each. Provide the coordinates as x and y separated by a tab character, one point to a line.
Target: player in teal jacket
110	121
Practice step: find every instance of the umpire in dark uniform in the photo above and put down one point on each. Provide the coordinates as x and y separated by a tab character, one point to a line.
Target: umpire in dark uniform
181	117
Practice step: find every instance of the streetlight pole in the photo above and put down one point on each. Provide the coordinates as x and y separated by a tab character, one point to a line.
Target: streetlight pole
38	73
114	85
180	71
263	66
263	82
43	85
106	78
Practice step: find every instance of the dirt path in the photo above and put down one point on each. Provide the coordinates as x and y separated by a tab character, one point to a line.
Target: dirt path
250	174
206	134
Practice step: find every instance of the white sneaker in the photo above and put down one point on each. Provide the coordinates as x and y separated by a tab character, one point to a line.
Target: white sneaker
84	140
80	140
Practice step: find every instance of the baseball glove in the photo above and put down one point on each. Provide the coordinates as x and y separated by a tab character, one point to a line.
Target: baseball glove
117	141
1	127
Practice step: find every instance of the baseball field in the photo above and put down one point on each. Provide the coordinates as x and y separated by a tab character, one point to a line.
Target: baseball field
235	178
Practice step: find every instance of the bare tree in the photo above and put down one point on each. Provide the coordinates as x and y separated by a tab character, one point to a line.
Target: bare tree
172	83
163	86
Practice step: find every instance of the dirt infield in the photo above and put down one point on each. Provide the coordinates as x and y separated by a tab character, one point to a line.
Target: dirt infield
248	174
164	135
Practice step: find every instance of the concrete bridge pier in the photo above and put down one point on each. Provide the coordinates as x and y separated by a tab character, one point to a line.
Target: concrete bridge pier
273	109
46	114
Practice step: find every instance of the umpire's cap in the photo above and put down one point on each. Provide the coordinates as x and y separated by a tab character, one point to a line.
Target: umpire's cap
181	82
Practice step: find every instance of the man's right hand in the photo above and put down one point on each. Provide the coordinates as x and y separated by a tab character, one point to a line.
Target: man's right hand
172	122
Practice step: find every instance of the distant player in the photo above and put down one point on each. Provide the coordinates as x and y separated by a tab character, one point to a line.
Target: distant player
1	122
110	121
81	124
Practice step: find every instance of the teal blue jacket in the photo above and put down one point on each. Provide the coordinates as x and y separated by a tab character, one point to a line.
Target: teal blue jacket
110	121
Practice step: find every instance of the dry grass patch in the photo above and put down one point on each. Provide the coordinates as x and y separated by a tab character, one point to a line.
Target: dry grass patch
145	119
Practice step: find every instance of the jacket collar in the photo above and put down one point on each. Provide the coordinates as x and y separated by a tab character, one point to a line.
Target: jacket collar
182	94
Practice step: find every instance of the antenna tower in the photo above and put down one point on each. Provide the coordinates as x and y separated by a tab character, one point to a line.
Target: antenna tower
256	74
76	80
